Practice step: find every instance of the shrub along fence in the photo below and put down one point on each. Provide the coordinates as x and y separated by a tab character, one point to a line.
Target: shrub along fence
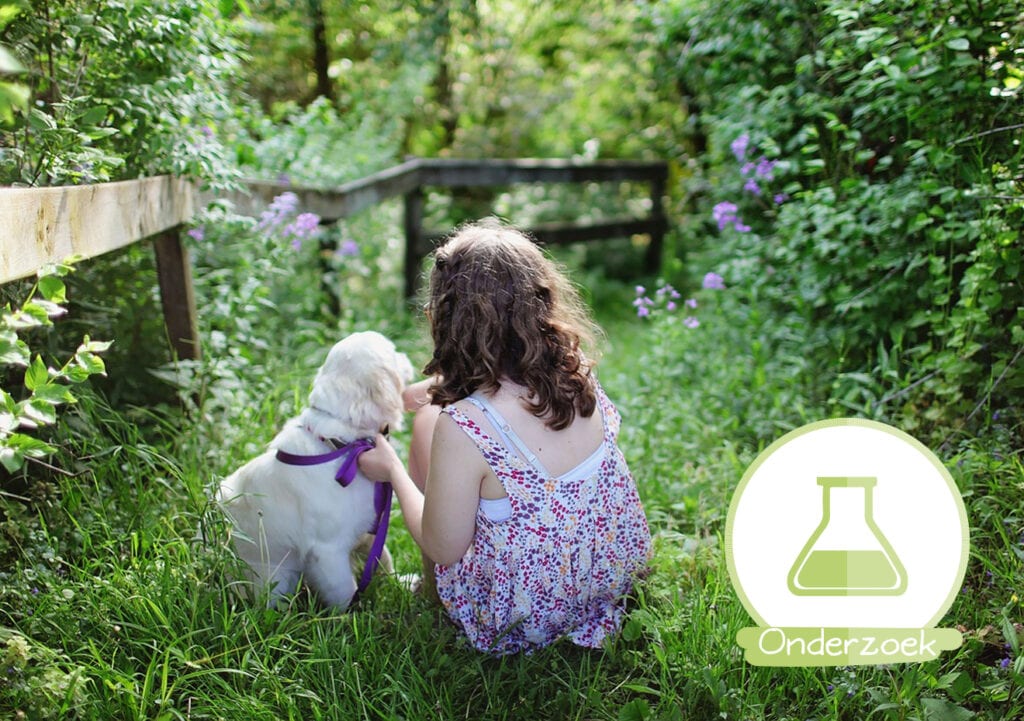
48	225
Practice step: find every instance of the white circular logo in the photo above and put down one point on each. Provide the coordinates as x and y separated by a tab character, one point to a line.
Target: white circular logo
847	523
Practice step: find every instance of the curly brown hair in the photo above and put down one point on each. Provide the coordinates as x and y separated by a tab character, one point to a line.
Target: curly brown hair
500	308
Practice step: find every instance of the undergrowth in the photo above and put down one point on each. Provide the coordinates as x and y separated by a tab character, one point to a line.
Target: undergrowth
117	597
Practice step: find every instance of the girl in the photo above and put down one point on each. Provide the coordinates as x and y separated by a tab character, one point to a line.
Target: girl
517	488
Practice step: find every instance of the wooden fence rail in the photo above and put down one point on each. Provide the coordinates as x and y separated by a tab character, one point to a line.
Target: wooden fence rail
47	225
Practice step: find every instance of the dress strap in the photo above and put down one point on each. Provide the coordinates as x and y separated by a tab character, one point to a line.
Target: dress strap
504	429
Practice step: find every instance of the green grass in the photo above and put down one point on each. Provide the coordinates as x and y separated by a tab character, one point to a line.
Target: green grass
129	616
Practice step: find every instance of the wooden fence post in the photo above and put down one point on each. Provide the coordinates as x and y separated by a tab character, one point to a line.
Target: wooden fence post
413	240
175	276
652	258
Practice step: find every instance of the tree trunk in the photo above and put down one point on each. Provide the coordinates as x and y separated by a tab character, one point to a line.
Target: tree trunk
321	54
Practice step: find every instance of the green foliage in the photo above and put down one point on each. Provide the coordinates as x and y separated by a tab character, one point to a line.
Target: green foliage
316	147
887	281
43	388
900	239
120	90
13	95
35	682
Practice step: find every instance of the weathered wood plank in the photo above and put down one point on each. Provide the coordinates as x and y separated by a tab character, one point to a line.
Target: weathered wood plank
452	173
46	225
329	203
565	233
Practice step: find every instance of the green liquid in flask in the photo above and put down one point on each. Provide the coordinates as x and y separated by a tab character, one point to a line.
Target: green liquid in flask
847	569
847	555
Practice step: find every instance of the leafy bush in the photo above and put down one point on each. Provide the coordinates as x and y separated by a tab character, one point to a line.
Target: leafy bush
899	241
43	388
120	90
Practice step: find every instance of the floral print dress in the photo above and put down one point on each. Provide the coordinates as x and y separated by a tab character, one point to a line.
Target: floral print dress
563	562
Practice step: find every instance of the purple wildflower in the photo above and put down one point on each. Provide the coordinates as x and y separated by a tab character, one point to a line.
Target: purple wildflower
301	228
765	168
739	146
713	281
640	290
643	306
1005	663
197	233
780	198
747	169
671	306
669	291
306	224
751	186
280	207
348	248
691	303
207	131
724	213
691	322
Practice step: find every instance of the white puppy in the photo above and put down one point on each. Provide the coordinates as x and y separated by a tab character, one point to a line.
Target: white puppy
295	522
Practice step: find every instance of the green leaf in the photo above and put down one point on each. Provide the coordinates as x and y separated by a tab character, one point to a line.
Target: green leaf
92	364
53	289
51	309
37	374
938	709
11	459
958	44
28	445
94	115
636	710
13	350
53	393
31	315
94	346
39	412
9	63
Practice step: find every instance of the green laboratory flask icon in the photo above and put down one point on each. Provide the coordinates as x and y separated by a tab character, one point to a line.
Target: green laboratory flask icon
847	555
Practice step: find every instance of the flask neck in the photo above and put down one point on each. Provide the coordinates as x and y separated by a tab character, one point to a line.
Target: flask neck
847	508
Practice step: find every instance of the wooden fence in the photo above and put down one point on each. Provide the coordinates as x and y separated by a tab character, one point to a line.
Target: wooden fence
46	225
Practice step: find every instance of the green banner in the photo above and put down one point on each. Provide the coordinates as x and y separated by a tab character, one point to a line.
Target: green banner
778	646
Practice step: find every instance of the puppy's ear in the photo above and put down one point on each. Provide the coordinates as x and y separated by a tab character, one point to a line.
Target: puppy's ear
403	367
383	396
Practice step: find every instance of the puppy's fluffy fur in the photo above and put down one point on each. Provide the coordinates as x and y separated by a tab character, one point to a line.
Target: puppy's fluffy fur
293	522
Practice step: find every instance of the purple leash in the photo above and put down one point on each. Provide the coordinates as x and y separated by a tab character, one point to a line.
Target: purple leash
345	475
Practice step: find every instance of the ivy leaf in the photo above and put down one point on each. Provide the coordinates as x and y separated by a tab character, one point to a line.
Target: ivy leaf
53	289
54	394
94	346
52	310
19	446
92	364
40	412
36	375
11	459
8	422
13	350
28	316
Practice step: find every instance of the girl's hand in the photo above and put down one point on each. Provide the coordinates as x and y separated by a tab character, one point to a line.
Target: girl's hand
381	463
416	395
